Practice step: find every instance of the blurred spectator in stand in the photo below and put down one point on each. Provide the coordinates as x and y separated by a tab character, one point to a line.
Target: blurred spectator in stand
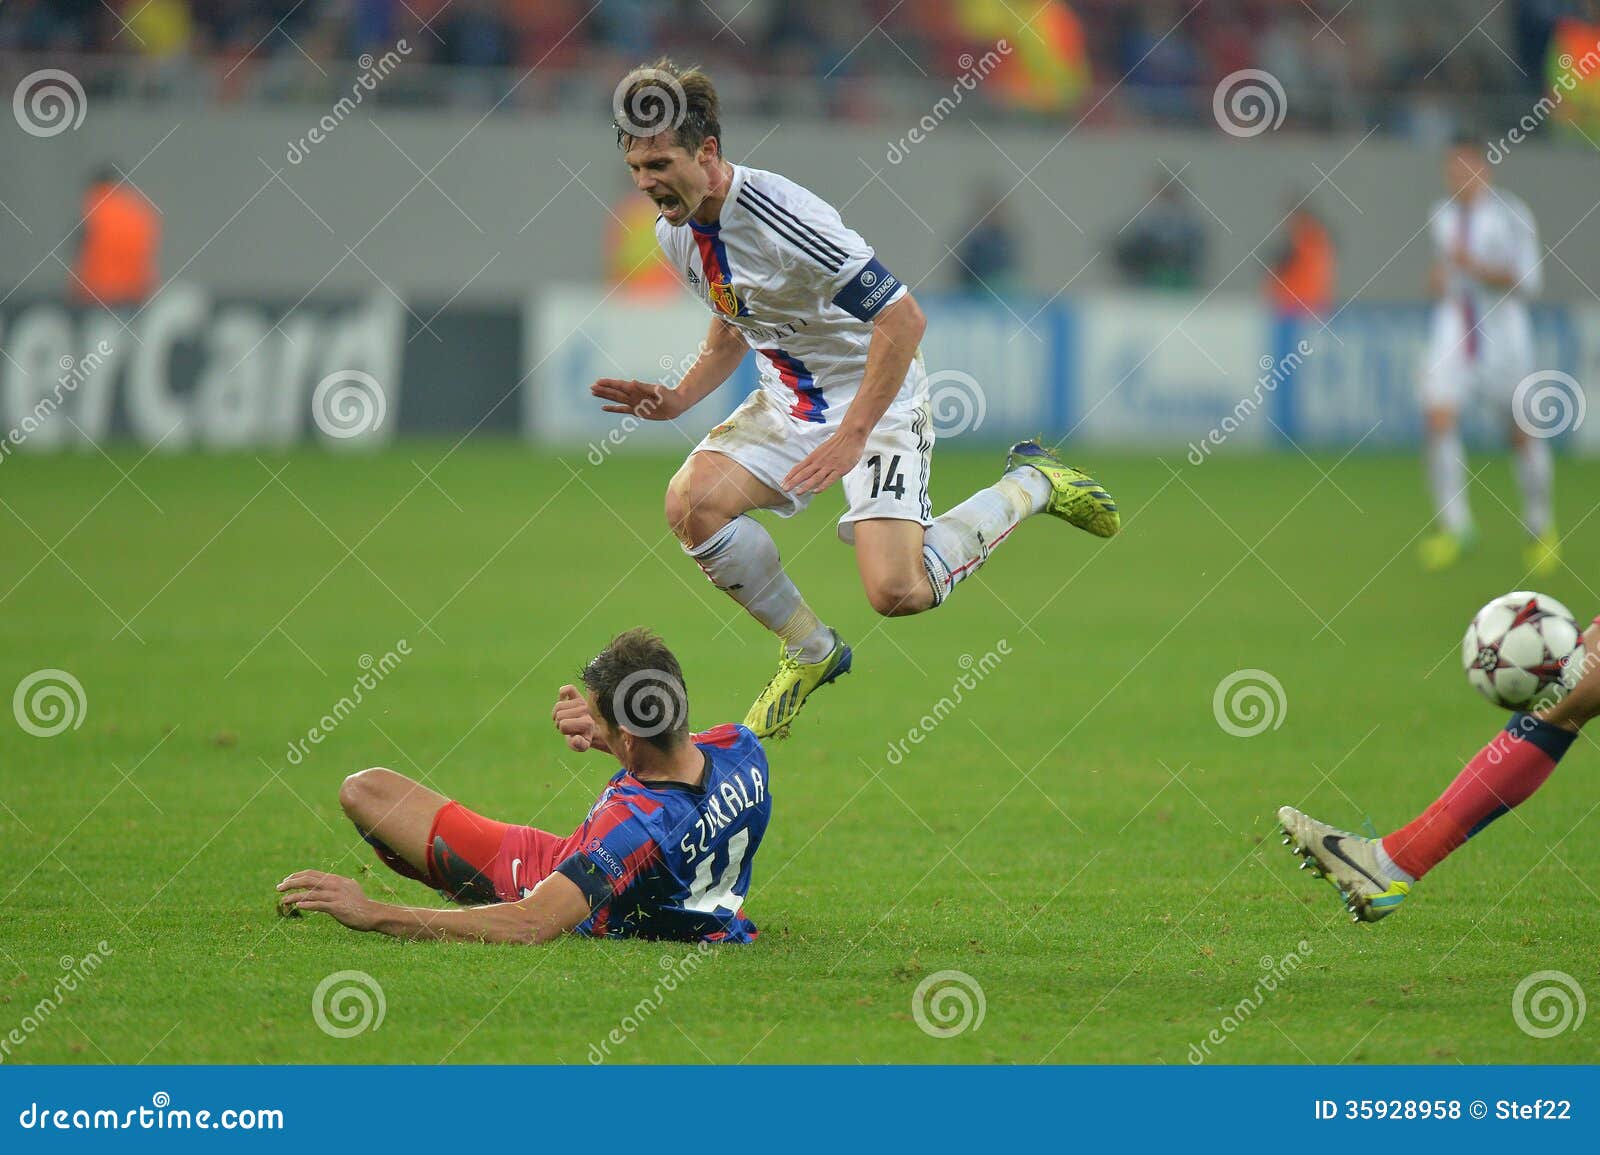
162	30
634	264
1302	273
1576	40
41	26
1044	66
1161	63
476	37
986	258
119	241
1164	247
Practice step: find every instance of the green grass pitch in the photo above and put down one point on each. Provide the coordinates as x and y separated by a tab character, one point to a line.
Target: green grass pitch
1079	835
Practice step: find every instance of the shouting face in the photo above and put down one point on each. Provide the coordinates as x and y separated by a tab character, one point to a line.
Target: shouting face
671	176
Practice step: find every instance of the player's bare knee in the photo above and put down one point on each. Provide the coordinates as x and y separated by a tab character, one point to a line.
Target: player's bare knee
898	596
362	793
677	507
692	512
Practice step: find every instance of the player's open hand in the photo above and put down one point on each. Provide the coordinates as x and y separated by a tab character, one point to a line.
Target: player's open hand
827	463
642	399
575	723
330	893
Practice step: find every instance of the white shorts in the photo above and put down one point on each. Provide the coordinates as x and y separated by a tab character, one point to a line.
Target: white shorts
891	480
1457	372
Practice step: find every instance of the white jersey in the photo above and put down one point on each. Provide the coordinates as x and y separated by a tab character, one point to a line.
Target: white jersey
1497	229
782	267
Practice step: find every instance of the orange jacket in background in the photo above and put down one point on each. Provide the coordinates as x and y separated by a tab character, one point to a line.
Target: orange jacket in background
117	261
1304	283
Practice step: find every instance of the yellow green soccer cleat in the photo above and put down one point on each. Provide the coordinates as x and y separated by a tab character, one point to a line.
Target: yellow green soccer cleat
1346	860
1075	497
780	702
1543	554
1441	550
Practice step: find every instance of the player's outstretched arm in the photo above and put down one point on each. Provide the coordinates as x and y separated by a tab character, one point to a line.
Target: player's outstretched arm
575	722
555	907
720	354
896	332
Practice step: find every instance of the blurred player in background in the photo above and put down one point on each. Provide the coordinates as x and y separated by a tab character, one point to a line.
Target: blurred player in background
1487	266
665	853
1376	874
843	395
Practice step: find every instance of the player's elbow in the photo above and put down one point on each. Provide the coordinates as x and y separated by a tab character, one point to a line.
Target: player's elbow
905	319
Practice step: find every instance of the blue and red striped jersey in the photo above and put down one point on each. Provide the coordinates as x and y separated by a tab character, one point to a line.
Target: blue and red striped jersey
666	860
803	289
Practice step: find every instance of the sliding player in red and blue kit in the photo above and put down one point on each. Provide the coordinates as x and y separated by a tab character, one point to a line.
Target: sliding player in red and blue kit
665	853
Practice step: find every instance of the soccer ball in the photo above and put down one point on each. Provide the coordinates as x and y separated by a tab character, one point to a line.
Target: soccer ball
1523	651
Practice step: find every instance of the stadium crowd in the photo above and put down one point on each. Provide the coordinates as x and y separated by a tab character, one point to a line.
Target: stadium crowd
1405	67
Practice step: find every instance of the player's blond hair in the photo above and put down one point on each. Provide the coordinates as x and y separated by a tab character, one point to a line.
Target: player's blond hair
660	98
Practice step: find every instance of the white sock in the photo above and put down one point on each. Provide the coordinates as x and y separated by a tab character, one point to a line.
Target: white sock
1536	478
959	541
1447	477
742	560
1386	864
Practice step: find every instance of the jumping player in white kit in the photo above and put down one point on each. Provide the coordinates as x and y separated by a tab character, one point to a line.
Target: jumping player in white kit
843	395
1485	270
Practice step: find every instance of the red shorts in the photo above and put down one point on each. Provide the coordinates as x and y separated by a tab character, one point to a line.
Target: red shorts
478	860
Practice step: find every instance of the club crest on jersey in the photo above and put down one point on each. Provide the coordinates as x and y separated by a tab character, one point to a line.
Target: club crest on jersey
723	299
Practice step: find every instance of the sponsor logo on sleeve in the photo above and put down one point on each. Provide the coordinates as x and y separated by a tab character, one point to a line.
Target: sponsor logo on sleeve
608	861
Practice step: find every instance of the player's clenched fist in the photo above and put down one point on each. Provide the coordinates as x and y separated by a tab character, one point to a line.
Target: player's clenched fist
640	398
575	723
